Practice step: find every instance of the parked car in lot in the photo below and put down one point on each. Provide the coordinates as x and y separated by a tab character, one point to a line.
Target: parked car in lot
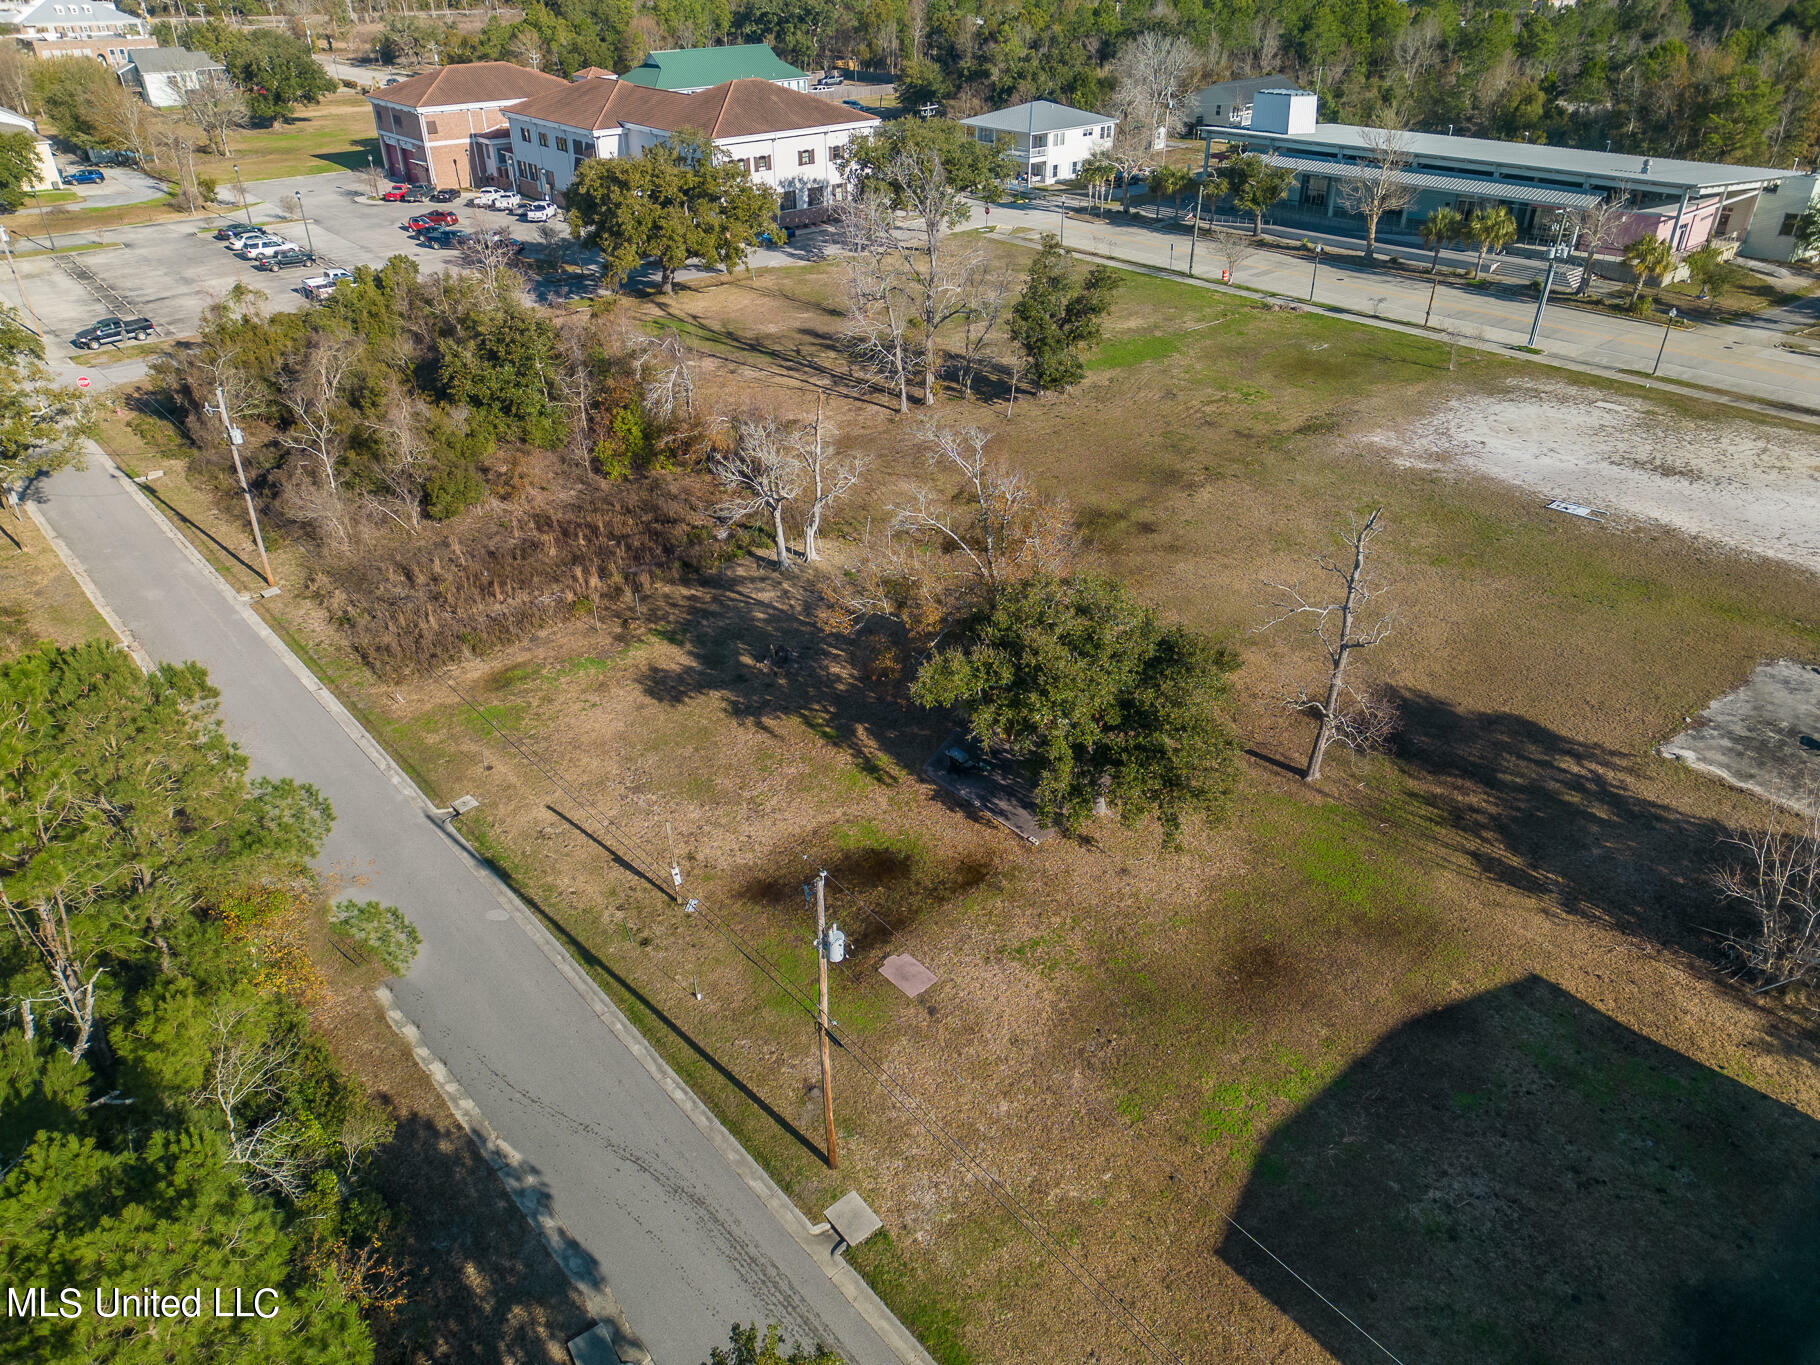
505	200
418	194
829	80
492	237
433	219
285	260
241	240
541	211
442	238
88	175
111	331
233	232
396	194
853	104
445	196
328	279
253	249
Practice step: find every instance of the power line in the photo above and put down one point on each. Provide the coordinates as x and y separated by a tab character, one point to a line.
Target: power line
1140	1331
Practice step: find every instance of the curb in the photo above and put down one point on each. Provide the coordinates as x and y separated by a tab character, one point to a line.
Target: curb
128	641
819	1245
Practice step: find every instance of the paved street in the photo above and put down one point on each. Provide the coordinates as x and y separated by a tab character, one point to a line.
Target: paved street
1740	357
659	1214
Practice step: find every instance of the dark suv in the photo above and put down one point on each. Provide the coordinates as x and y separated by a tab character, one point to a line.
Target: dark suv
111	332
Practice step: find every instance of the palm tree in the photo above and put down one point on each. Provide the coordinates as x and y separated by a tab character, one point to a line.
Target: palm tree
1170	182
1490	230
1649	258
1441	228
1097	175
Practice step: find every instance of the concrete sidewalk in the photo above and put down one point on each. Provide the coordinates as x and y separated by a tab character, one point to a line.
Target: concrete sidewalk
1726	356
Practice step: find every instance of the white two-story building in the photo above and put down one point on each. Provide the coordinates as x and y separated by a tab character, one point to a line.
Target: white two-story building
1047	141
783	138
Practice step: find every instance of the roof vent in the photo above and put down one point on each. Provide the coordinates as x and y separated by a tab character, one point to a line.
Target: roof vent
1646	165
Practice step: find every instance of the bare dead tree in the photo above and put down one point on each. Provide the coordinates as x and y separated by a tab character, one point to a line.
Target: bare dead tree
1342	628
246	1068
668	380
1597	226
312	398
879	294
828	479
216	106
42	926
1234	248
402	463
986	292
1380	187
762	473
1154	71
493	257
365	1129
1775	876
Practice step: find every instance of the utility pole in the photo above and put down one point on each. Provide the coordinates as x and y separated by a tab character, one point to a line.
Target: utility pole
1314	274
1194	236
6	243
234	438
829	946
304	214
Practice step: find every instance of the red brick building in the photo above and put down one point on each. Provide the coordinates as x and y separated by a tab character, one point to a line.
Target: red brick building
424	123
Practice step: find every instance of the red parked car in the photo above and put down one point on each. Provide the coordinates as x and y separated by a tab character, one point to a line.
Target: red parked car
434	218
396	193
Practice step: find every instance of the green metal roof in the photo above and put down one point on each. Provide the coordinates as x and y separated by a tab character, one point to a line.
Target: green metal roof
691	67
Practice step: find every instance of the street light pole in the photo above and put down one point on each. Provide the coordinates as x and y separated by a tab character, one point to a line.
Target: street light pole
234	439
304	214
1314	274
244	203
1673	313
1194	236
1535	327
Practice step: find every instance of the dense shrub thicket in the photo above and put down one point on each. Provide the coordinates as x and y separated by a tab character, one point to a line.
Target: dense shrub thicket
464	466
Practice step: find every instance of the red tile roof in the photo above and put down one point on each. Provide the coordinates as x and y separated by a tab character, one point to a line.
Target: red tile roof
468	83
735	109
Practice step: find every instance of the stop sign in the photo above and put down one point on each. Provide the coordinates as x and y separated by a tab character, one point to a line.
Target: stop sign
82	381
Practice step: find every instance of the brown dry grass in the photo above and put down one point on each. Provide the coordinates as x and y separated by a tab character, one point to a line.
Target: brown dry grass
38	598
1322	1015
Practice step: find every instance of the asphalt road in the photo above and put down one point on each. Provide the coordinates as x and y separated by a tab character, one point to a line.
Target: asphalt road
657	1211
1741	358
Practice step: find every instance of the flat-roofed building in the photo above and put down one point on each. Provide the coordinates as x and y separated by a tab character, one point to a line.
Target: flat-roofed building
1685	203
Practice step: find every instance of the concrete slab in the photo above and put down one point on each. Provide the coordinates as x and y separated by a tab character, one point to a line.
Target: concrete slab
907	974
1764	737
852	1220
992	784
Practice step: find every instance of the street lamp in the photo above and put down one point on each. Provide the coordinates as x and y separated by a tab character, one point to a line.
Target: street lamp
304	214
1555	253
1194	238
1673	313
1314	274
245	203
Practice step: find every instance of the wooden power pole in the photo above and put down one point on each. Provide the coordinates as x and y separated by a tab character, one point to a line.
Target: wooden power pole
821	954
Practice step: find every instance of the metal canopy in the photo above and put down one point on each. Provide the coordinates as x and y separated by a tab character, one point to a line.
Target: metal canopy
1481	185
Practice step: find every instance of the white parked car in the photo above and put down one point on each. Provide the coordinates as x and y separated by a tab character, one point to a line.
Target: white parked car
506	200
266	246
333	275
246	239
486	197
540	212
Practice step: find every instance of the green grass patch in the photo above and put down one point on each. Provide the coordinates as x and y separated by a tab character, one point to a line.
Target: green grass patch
919	1301
1122	354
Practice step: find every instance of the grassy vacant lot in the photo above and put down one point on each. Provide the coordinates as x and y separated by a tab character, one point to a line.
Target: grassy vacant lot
1443	1034
38	598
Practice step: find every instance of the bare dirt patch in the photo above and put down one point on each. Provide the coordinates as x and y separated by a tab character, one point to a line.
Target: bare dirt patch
1752	486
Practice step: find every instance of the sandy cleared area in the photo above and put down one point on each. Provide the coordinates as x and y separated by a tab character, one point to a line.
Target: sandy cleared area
1753	487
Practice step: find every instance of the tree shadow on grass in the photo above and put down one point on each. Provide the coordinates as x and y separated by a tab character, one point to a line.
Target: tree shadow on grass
1518	1177
753	642
1563	819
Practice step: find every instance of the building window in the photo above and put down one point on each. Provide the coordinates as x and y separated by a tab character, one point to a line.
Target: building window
524	134
806	157
786	201
1788	225
583	147
761	163
745	165
816	194
1039	142
562	143
1040	171
543	139
1059	138
429	127
1106	131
